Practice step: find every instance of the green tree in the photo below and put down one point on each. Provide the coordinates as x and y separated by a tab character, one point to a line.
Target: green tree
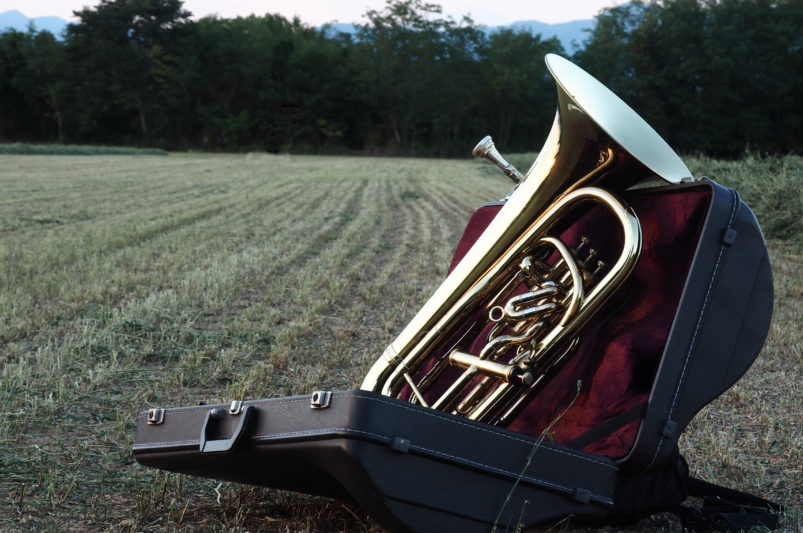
32	87
710	75
121	52
402	50
519	90
15	109
270	83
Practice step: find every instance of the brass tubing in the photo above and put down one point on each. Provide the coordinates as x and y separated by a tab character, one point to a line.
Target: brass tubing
597	142
558	336
502	371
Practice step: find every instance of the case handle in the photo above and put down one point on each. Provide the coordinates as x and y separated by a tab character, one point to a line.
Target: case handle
207	445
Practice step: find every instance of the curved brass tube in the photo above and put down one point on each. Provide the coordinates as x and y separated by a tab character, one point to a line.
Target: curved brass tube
597	146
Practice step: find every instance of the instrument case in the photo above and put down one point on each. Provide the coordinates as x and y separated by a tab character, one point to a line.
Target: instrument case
416	469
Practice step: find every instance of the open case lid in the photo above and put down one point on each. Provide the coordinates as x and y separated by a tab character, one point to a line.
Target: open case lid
688	322
718	331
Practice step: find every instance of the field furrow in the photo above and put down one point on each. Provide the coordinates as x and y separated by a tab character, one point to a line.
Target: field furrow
133	282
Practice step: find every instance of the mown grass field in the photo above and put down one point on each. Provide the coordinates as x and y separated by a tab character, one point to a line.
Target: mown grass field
74	149
135	282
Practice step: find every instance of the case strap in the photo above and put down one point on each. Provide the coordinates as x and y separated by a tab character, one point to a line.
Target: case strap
609	426
725	509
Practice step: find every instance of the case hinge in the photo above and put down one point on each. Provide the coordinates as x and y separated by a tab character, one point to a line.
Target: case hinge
400	444
729	236
670	429
582	495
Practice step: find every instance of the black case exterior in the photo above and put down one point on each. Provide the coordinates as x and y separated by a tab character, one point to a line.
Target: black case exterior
412	468
415	469
719	328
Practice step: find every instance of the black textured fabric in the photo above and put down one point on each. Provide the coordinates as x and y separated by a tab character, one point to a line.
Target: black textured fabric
640	495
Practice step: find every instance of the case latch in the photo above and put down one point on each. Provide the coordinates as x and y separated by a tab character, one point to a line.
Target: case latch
321	399
156	416
236	407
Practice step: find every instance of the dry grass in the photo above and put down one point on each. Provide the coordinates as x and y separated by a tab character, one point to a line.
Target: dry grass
131	282
75	149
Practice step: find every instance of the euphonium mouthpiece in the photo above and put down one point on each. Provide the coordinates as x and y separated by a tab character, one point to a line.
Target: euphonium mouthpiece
482	148
486	149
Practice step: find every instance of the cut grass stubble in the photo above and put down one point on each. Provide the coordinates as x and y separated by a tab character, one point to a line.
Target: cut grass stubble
131	282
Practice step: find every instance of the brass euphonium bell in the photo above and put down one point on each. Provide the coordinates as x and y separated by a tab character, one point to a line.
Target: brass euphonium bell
533	292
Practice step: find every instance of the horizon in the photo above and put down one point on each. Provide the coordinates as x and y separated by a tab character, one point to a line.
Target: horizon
311	12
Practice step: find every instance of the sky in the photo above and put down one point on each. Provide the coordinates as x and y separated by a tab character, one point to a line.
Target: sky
317	12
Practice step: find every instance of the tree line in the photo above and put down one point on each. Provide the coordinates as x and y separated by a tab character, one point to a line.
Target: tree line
712	76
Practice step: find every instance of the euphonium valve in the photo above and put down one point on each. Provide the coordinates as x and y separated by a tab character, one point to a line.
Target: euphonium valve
514	308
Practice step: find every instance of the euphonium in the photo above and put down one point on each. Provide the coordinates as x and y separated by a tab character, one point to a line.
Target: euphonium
519	285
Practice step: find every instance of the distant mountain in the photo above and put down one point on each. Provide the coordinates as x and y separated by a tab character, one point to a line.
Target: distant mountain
333	28
14	20
568	33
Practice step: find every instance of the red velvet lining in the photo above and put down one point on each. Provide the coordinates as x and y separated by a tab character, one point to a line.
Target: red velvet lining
479	220
620	348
